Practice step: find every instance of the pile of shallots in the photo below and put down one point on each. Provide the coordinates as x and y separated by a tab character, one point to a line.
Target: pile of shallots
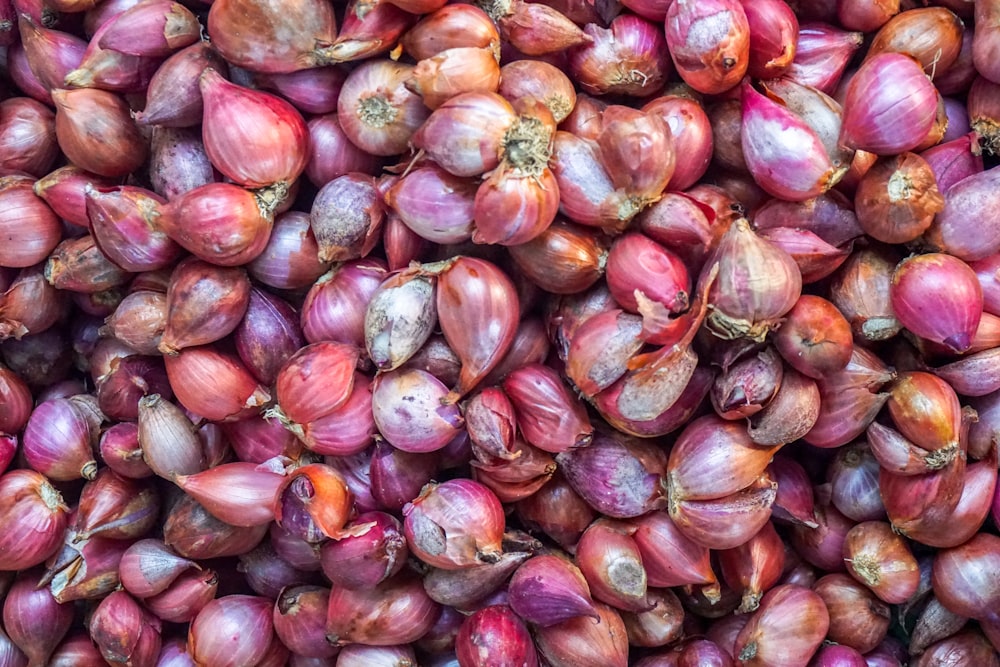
568	333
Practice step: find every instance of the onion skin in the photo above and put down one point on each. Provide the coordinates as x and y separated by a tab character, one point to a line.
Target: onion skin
236	149
495	636
918	290
952	230
872	120
245	623
399	332
95	129
36	516
397	611
843	597
774	30
782	152
30	227
765	640
710	61
581	640
466	514
269	36
630	57
220	223
984	42
477	307
741	308
962	581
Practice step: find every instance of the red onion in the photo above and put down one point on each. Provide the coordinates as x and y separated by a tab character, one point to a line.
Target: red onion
362	655
741	308
783	151
582	640
300	620
331	153
464	514
774	30
231	630
313	91
547	590
397	611
93	126
889	107
35	622
620	478
938	297
31	227
195	220
713	61
59	441
611	562
857	618
240	494
173	97
36	515
264	38
124	631
629	57
375	109
235	150
765	639
493	636
960	580
951	230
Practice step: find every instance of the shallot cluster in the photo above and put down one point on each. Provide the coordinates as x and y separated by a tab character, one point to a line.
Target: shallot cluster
570	333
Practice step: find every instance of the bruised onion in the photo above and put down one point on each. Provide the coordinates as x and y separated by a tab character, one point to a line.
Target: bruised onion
712	61
455	524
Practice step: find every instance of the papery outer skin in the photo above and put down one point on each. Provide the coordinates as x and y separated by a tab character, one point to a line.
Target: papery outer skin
249	493
28	493
784	155
708	442
511	209
743	303
477	307
627	58
445	218
711	35
399	319
164	27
